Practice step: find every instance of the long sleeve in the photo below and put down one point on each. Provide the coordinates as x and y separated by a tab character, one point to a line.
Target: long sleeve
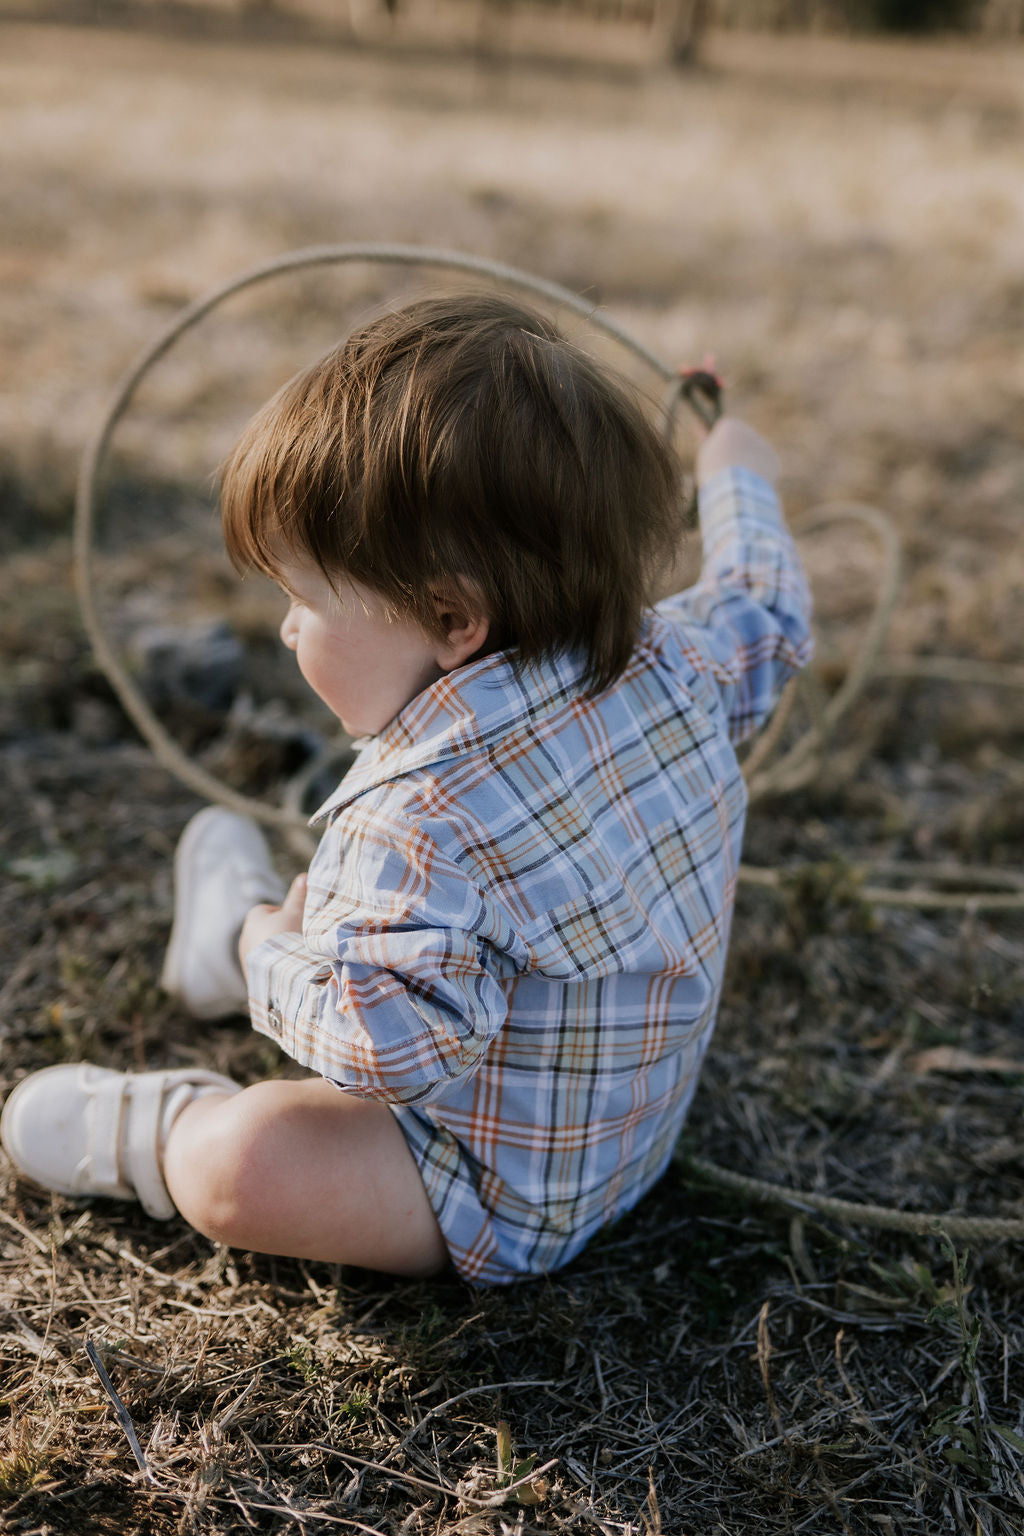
747	620
390	991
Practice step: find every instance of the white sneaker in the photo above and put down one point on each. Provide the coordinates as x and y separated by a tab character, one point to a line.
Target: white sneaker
222	867
84	1130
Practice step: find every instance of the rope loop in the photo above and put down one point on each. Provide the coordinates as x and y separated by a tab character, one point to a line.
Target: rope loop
701	390
164	748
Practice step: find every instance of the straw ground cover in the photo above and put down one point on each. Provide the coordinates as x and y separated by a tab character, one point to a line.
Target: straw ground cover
850	251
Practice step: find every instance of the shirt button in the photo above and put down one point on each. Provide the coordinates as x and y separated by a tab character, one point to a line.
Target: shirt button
274	1016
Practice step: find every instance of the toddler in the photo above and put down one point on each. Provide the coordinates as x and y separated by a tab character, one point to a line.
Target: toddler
504	963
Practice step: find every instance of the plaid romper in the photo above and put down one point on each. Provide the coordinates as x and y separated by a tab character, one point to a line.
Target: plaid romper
517	917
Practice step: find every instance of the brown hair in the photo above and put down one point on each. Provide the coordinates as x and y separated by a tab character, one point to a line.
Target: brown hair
465	437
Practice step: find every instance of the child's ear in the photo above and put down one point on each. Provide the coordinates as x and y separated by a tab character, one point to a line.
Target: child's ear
460	609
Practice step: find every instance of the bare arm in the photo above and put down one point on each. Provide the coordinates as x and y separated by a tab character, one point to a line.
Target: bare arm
732	444
746	619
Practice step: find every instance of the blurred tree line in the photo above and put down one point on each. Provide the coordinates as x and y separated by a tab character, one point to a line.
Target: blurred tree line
678	25
1001	18
681	20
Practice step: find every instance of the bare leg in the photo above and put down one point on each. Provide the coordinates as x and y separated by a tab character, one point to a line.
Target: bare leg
302	1170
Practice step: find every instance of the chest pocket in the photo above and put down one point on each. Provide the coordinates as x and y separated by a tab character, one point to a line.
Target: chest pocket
604	932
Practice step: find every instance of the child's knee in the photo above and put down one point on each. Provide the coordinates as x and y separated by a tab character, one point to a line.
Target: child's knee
220	1168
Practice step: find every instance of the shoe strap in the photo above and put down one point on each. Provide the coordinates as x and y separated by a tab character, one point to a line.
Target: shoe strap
142	1146
99	1172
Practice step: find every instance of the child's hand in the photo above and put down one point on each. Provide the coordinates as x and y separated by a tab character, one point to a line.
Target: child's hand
702	390
732	444
265	921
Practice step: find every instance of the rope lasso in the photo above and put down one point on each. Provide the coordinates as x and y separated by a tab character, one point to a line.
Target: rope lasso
886	1218
700	389
164	748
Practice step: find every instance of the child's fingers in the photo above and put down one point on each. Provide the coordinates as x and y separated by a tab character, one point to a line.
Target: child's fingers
707	369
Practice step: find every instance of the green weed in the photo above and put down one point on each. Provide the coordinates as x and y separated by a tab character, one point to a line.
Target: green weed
965	1429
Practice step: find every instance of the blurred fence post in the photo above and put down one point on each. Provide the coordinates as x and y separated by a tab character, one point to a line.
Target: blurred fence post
681	25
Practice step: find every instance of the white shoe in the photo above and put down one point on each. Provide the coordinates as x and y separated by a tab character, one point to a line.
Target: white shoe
83	1130
222	867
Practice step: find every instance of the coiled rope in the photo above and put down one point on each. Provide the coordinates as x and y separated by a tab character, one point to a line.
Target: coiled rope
794	769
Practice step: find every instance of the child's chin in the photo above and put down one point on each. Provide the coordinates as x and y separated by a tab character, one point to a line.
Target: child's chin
360	734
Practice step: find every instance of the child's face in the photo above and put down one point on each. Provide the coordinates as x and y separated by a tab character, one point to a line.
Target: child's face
364	664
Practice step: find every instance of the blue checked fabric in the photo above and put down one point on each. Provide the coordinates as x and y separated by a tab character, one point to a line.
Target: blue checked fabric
517	917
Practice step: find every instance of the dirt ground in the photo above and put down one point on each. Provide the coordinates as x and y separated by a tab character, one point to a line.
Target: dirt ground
841	225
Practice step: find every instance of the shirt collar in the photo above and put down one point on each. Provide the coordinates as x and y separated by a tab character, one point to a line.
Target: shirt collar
460	713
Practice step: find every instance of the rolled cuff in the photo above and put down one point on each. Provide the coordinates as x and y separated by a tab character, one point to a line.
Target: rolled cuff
278	972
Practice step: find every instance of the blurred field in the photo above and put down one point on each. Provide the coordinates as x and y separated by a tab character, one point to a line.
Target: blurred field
841	223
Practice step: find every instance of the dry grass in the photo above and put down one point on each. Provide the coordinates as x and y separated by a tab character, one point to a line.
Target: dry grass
851	251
